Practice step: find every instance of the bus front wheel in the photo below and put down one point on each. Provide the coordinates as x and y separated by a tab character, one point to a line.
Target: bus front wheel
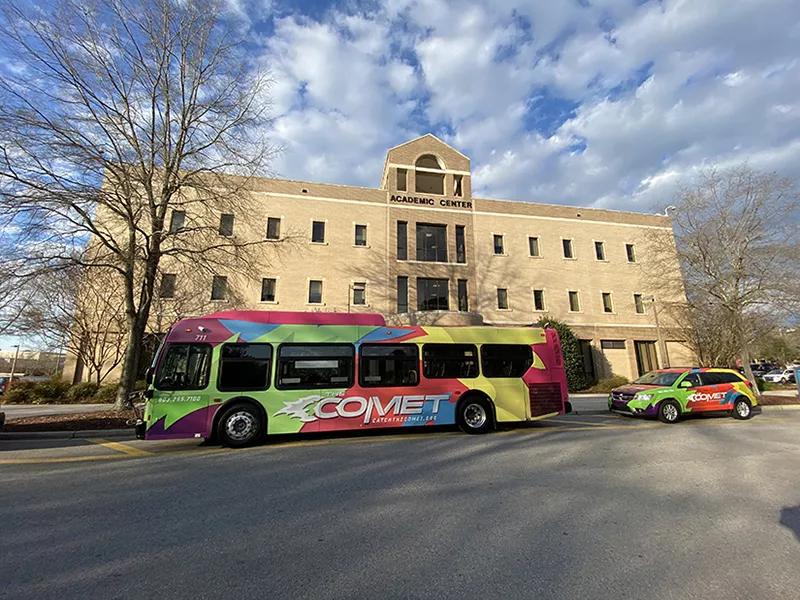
240	425
474	415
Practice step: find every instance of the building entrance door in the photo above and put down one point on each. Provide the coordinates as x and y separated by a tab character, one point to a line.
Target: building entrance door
646	358
588	362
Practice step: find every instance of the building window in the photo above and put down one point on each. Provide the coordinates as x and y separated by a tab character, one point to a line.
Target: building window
463	298
638	303
273	228
268	285
568	251
402	240
388	365
499	246
533	246
433	294
461	245
432	243
402	186
177	221
427	182
167	288
600	250
574	302
629	250
318	232
612	344
502	298
361	235
402	294
226	225
449	361
307	366
538	299
458	188
315	291
244	367
219	287
360	294
608	307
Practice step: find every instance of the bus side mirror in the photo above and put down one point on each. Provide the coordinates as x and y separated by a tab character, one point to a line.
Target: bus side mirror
148	375
685	384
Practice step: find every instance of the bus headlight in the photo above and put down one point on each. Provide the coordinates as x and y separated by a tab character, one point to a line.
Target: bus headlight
644	397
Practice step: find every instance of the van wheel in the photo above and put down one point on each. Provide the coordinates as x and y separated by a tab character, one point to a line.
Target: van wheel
474	415
669	411
240	425
742	409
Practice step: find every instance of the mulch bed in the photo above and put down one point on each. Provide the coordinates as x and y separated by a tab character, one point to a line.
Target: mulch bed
103	419
772	400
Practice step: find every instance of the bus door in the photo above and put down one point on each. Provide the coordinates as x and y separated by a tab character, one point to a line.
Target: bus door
504	366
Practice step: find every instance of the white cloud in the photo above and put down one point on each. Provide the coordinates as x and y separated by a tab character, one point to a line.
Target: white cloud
657	90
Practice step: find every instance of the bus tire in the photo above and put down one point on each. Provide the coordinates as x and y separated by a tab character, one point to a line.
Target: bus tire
742	409
240	424
669	411
474	414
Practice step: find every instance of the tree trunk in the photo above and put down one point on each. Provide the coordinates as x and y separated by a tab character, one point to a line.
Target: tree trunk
130	364
744	356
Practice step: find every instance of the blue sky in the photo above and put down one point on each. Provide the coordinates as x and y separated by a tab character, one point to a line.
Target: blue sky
603	103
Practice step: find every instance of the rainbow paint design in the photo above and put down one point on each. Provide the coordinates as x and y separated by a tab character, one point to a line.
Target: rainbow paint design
290	365
689	390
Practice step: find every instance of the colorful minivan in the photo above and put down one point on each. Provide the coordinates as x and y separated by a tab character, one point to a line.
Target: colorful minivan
671	393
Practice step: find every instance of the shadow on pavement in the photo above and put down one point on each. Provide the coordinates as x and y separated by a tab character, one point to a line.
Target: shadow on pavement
790	517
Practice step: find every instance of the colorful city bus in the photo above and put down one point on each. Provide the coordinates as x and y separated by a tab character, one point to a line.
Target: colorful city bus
237	376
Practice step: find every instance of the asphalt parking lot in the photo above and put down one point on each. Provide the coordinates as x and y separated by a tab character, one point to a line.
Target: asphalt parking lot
590	505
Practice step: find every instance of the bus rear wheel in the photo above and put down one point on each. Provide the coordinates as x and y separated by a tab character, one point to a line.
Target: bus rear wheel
240	425
742	409
474	415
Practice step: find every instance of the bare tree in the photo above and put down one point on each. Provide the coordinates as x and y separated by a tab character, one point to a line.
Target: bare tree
121	124
737	237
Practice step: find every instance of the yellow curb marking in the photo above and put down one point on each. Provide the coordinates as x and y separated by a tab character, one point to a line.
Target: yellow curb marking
64	459
124	448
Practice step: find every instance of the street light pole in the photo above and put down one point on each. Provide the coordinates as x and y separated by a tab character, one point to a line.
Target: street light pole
14	362
661	344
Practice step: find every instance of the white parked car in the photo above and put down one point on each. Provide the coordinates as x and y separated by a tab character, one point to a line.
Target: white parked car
780	376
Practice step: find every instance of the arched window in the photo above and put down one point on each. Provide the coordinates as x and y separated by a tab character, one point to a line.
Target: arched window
427	182
428	161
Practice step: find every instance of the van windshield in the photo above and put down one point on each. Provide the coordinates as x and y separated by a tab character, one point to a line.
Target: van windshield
658	378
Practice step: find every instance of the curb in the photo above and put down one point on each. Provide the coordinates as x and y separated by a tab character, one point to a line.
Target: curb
780	406
67	435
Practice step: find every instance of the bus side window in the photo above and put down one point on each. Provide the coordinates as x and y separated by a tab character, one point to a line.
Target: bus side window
388	365
314	366
244	367
505	360
449	361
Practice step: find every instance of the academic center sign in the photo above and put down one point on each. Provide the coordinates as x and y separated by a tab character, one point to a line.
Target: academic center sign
443	202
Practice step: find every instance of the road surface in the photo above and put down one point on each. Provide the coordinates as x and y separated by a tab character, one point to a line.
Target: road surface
586	506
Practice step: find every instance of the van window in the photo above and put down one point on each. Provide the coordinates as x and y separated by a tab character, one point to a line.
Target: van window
505	360
449	361
244	367
388	365
184	367
315	366
719	378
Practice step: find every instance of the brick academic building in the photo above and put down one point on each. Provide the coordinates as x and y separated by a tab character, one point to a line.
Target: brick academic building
422	249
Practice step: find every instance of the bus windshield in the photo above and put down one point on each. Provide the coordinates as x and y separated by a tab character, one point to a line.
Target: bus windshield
184	367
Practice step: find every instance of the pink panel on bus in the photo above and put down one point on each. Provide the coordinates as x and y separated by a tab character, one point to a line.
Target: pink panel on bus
299	318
